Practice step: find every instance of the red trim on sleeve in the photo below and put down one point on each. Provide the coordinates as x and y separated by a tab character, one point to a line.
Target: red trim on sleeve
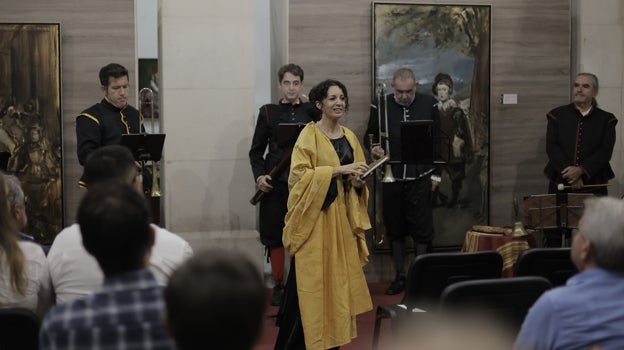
551	116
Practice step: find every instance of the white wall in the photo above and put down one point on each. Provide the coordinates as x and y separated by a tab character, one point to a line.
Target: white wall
598	47
147	28
207	60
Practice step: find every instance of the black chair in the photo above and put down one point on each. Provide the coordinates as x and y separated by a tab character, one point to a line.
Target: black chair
554	264
19	329
506	300
429	274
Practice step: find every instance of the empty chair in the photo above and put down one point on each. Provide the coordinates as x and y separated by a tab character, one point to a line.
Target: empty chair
429	274
554	264
506	299
19	329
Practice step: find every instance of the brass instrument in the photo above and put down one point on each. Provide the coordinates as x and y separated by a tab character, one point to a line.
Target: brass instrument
378	233
518	227
155	191
146	97
388	177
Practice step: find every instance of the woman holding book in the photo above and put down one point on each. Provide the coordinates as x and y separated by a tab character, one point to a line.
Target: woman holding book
324	232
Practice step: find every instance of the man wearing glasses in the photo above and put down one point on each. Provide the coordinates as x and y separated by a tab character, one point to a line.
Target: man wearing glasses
290	109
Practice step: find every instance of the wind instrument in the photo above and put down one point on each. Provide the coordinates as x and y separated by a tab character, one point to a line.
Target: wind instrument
274	174
388	177
561	187
155	190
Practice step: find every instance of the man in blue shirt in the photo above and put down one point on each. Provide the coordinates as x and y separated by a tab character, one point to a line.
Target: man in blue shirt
126	313
588	311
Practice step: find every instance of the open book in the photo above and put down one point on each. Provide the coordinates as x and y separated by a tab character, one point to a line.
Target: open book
374	165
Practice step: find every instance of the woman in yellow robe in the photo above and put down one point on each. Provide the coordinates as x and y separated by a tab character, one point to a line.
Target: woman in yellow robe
324	231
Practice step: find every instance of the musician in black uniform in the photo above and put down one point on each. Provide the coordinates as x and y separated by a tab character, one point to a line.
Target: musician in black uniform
580	138
103	123
407	207
290	109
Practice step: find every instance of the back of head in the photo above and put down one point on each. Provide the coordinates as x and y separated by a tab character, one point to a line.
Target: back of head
114	222
9	248
15	194
215	299
114	70
603	226
7	224
112	162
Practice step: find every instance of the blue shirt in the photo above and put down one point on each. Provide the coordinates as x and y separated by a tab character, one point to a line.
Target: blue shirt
587	311
125	314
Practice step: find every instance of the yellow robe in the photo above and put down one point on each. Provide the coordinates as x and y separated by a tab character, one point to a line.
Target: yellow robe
329	246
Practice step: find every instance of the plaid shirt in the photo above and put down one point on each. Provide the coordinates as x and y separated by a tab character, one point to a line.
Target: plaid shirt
125	314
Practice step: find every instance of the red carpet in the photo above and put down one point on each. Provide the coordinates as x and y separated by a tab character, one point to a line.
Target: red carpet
365	322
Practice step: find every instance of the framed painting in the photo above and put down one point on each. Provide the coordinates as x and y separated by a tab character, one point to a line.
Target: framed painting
30	121
448	48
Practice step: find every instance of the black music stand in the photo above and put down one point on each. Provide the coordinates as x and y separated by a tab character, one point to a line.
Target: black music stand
144	147
555	211
287	133
417	141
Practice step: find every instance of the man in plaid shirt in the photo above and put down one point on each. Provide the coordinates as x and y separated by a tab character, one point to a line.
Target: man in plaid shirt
127	312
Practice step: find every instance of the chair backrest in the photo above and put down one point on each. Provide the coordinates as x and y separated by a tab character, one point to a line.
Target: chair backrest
429	274
19	329
506	299
554	264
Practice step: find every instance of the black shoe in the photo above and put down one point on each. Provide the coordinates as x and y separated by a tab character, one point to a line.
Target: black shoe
278	294
397	286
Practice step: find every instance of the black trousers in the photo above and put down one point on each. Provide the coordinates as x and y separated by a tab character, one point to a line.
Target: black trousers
407	211
272	212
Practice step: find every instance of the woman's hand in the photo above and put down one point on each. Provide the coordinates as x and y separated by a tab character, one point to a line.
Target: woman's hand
378	152
350	169
357	182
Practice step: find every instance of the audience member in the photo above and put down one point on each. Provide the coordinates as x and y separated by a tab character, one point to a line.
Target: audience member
17	207
24	276
216	299
587	312
74	272
126	313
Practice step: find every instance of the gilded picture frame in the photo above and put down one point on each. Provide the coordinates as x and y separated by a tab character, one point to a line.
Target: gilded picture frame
30	121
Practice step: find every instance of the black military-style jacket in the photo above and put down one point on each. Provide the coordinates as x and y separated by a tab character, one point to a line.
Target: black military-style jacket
103	124
267	131
422	108
588	142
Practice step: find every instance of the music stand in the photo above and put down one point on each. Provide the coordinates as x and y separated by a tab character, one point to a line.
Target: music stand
555	211
144	146
287	133
417	141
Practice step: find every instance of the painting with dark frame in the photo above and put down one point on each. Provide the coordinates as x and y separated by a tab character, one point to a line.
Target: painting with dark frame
448	48
30	121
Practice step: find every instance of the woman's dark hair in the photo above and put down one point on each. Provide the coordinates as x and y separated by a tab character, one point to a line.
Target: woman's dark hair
319	92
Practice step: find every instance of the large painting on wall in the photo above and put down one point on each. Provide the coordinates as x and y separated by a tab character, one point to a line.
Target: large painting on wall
30	121
448	48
